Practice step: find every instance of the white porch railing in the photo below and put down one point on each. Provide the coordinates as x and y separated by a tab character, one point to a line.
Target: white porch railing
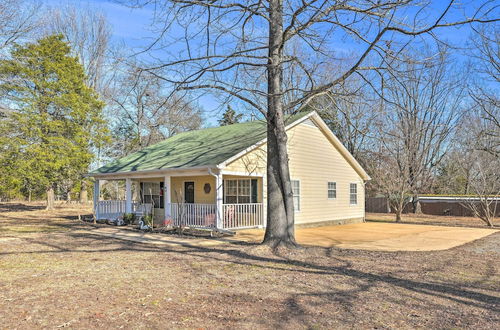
194	215
111	209
234	216
239	216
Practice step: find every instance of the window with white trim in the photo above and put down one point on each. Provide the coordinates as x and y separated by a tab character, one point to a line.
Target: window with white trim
353	193
237	191
152	193
332	190
296	194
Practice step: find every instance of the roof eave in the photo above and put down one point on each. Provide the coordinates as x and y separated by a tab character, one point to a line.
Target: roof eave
150	172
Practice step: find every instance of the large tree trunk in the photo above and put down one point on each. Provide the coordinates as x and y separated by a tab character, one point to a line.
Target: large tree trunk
280	214
50	198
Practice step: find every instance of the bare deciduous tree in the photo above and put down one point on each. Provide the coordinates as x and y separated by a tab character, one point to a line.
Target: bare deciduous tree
486	50
89	33
351	112
482	167
252	50
422	106
18	18
485	186
146	113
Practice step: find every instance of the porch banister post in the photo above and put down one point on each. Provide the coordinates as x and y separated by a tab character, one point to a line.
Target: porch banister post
96	198
219	201
128	196
167	197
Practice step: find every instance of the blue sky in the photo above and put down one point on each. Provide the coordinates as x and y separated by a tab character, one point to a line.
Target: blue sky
130	25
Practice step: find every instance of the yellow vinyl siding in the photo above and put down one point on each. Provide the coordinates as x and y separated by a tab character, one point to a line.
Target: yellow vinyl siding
251	163
200	197
314	161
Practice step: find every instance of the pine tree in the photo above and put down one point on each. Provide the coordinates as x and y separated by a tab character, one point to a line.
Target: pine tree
57	119
230	117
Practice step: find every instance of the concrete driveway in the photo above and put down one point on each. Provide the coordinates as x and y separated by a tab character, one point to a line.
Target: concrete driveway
380	236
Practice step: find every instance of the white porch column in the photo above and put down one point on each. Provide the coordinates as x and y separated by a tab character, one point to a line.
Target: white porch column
167	195
128	195
219	200
96	198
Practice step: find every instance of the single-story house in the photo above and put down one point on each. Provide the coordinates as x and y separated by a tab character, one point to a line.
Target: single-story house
216	177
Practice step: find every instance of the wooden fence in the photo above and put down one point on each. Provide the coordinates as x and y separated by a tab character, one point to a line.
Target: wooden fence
432	206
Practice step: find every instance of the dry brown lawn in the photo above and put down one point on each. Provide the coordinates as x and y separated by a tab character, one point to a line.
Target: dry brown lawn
53	275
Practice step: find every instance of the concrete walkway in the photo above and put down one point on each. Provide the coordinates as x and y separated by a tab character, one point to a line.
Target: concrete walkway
363	236
381	236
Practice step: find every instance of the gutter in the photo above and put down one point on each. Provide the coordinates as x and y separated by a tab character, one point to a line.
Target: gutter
155	171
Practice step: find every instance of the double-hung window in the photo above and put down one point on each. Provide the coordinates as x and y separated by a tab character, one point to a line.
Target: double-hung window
332	190
152	193
240	191
353	194
296	194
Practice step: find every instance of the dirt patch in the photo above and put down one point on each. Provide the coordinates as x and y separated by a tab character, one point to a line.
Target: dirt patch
79	280
380	236
427	219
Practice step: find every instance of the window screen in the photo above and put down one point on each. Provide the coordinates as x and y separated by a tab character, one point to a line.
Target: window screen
353	193
332	190
296	194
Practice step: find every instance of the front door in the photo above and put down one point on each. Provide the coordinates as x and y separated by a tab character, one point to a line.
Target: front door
189	192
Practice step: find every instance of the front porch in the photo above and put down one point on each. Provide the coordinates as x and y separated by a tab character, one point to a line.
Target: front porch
224	201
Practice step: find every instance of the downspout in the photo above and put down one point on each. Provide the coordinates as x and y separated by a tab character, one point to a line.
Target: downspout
364	202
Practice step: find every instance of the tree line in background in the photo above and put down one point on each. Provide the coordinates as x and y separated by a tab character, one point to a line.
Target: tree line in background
71	99
420	121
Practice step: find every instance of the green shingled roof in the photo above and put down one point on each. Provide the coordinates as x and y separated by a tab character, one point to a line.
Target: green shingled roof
205	147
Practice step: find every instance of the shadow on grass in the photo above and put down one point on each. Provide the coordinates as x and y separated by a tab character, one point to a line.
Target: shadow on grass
19	207
236	254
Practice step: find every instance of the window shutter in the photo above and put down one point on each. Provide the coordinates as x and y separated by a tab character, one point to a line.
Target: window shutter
141	194
254	190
